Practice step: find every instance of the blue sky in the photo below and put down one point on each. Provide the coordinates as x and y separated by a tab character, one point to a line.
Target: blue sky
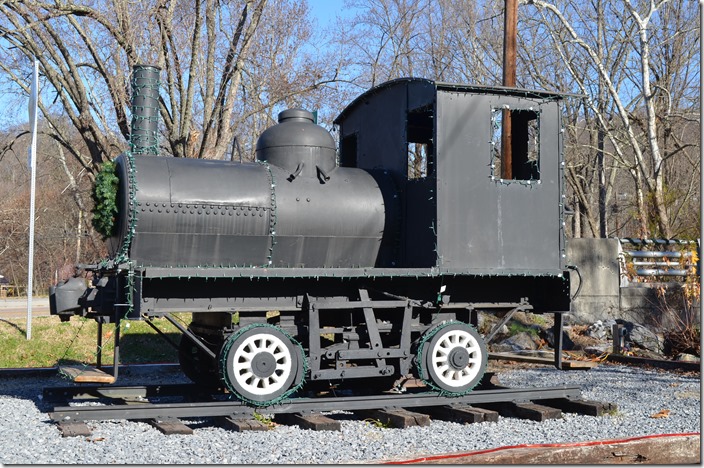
325	10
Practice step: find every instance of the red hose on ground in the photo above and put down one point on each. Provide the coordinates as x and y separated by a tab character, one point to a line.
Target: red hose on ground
509	447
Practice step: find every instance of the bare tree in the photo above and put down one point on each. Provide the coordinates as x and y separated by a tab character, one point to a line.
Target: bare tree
61	234
444	40
204	48
619	60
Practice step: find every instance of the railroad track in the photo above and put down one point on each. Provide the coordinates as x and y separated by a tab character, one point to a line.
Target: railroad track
154	404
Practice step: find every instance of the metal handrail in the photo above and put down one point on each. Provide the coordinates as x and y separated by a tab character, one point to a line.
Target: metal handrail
657	263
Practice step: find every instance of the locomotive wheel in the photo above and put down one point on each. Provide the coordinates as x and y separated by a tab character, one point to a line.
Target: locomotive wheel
261	364
454	358
197	365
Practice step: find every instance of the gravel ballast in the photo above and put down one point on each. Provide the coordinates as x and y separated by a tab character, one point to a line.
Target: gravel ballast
27	436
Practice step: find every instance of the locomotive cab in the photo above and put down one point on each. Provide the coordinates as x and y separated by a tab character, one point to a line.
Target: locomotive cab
442	144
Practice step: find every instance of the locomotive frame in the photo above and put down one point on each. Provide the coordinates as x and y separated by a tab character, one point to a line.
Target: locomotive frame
458	240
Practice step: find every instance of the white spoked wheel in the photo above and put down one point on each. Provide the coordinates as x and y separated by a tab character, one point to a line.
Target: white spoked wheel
455	358
260	364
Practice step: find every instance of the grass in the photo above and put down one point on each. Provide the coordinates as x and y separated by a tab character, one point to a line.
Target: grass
56	343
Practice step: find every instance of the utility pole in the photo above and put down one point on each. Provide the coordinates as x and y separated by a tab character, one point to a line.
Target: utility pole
509	80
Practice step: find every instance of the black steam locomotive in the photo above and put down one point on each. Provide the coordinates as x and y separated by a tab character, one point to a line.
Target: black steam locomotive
354	267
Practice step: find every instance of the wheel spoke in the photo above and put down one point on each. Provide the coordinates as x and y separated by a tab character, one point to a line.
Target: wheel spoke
284	366
443	368
242	365
273	347
246	355
442	351
245	374
257	382
275	378
439	359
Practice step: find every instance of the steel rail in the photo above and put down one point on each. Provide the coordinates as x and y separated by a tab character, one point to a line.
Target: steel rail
93	392
305	405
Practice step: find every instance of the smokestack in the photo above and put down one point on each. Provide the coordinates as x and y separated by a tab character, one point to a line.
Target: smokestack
144	137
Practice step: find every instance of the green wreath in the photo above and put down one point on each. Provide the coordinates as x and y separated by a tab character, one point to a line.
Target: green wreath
105	200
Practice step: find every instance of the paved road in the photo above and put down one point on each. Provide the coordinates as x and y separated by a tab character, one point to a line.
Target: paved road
16	307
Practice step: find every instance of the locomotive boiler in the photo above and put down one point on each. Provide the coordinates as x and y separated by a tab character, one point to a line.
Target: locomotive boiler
294	209
356	266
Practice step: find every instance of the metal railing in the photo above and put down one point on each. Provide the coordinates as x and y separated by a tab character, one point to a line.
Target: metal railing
659	257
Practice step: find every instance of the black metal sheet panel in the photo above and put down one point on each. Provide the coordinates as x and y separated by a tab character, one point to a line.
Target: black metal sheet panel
419	224
381	139
330	251
546	293
338	223
218	182
201	213
493	225
175	249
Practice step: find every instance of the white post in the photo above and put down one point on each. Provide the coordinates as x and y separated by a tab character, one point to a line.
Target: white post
33	173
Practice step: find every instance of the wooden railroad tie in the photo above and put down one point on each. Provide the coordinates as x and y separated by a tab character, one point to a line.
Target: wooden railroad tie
241	423
531	411
312	421
393	417
170	426
586	407
73	429
460	413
